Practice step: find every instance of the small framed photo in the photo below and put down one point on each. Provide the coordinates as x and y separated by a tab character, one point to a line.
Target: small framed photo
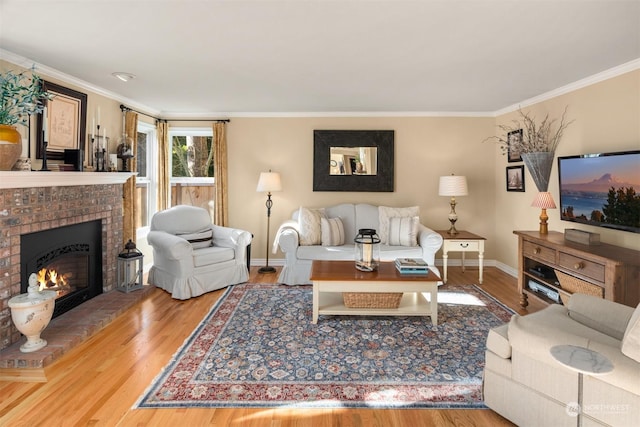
515	178
513	139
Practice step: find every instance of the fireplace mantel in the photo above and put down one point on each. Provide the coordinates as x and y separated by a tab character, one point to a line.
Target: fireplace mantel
60	179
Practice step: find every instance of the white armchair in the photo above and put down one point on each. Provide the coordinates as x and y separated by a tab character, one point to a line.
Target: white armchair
192	256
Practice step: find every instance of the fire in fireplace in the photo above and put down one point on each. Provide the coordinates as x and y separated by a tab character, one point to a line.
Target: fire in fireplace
67	260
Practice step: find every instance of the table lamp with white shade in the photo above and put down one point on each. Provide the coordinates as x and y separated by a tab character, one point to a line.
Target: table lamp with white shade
453	186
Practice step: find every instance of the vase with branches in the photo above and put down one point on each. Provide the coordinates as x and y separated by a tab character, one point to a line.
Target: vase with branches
537	145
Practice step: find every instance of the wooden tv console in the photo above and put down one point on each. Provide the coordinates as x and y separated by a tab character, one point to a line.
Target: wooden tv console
612	272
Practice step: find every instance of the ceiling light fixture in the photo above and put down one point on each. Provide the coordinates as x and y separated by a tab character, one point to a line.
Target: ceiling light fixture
125	77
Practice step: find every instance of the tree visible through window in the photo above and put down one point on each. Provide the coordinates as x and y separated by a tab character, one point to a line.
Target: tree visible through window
192	156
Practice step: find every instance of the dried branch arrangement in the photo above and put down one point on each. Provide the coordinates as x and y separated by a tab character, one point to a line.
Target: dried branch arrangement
535	137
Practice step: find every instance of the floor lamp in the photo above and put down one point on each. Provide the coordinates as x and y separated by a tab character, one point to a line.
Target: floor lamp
453	186
268	182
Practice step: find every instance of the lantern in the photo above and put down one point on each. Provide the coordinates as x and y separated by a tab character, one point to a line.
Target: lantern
367	254
129	272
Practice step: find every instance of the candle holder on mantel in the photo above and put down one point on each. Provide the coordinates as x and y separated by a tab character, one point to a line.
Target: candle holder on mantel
101	153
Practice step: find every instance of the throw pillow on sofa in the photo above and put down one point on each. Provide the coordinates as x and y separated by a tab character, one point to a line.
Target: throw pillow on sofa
199	239
385	213
309	226
631	339
332	231
403	231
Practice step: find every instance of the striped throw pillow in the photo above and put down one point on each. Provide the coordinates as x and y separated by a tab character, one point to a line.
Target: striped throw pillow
199	239
332	231
403	231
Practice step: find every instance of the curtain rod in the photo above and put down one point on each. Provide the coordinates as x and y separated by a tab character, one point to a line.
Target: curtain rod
125	108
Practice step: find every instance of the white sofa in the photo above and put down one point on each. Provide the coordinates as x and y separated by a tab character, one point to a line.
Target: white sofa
192	256
525	384
298	257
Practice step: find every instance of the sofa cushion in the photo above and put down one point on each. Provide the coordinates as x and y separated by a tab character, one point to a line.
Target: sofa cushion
337	253
332	231
200	239
602	315
631	339
309	226
403	231
385	213
212	255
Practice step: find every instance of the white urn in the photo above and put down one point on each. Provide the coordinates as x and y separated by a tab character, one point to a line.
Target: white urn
31	313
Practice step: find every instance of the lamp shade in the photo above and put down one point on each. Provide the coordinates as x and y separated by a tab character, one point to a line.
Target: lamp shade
453	185
269	181
543	200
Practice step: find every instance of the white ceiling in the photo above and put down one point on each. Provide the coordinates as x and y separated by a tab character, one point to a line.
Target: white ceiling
216	58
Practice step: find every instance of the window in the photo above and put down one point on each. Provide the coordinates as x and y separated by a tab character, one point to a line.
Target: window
146	178
192	172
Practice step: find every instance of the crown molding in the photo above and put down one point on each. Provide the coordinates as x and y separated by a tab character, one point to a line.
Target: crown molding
309	114
582	83
23	62
168	115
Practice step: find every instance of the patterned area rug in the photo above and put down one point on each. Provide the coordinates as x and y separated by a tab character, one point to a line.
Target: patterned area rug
258	348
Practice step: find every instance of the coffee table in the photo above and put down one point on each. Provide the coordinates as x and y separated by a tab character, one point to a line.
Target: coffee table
332	278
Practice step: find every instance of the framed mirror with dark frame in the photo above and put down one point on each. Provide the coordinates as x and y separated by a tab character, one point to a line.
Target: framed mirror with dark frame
353	160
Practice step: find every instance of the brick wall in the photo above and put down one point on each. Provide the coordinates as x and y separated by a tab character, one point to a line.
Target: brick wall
26	210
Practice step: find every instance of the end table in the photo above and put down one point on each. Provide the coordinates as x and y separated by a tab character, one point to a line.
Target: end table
461	242
584	361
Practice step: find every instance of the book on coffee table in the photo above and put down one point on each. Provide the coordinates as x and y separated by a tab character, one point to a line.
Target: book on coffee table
412	266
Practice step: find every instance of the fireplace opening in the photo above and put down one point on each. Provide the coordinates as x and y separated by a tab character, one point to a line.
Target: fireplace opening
67	260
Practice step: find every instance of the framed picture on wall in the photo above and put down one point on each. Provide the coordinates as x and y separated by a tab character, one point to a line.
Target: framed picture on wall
66	122
514	138
515	178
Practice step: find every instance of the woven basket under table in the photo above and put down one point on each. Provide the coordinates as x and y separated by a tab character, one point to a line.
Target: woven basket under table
572	285
372	299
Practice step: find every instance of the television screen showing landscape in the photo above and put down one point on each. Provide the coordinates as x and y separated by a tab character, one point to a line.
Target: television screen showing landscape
601	190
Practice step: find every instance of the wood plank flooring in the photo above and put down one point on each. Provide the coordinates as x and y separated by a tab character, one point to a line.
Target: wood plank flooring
97	383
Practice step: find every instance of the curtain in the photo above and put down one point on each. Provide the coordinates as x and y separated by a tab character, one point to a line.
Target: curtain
129	196
164	174
221	209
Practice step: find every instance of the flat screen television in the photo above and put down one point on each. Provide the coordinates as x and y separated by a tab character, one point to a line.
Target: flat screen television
601	189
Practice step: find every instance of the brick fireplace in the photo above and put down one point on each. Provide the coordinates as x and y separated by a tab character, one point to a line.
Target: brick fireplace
37	201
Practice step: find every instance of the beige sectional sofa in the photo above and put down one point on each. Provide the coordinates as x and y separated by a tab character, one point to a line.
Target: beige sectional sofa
525	384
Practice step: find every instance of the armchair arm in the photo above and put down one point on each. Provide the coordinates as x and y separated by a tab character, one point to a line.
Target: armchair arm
172	246
228	237
430	242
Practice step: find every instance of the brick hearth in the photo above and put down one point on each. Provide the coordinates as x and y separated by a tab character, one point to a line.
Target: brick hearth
69	330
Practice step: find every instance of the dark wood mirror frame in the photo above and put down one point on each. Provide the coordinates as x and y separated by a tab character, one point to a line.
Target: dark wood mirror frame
323	140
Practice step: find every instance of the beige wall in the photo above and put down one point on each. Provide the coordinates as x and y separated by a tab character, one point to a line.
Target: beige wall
425	149
607	118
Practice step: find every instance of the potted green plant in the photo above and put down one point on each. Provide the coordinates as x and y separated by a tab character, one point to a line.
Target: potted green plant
21	95
537	144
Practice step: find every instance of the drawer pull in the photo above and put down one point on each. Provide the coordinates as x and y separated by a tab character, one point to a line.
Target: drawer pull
464	245
578	265
536	251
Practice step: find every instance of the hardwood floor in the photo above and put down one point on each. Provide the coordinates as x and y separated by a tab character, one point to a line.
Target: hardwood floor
98	382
